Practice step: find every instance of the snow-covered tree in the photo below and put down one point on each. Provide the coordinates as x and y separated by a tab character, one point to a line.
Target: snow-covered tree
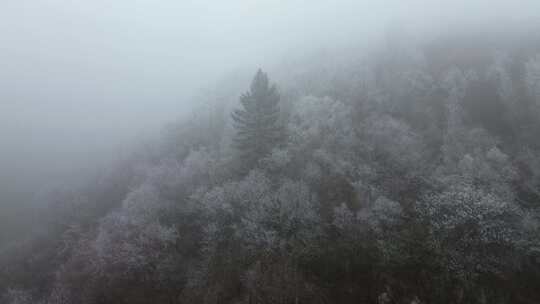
284	224
474	232
324	121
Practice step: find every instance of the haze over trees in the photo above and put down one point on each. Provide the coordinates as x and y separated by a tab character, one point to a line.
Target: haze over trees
408	172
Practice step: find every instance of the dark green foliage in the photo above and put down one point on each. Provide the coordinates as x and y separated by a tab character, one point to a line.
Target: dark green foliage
257	124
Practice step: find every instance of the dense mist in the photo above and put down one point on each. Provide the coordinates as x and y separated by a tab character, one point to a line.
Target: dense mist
160	146
81	80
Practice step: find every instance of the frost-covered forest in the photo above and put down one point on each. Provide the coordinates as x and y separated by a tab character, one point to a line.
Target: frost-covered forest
405	172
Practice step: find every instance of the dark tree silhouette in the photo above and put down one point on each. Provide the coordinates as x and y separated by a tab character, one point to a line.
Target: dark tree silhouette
257	123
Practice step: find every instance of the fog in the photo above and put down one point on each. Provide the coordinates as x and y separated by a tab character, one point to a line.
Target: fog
269	151
83	81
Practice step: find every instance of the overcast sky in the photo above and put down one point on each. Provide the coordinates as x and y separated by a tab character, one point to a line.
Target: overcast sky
79	78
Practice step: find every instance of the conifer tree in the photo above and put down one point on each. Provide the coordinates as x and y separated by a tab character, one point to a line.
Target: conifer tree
257	125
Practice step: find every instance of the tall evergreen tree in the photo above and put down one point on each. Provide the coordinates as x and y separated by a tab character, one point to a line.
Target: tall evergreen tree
257	123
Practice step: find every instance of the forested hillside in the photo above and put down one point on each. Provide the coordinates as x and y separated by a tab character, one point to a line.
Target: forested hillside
407	172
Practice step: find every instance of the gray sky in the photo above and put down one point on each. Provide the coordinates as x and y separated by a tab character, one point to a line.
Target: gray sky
80	78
